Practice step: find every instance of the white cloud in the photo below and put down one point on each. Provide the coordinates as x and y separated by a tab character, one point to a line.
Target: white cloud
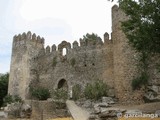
82	15
55	20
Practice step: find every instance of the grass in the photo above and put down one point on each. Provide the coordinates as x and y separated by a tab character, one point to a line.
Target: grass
67	118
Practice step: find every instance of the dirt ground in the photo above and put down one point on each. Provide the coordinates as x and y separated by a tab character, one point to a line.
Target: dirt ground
148	107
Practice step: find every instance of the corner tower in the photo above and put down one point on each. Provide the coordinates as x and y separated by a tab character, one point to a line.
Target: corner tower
124	60
24	48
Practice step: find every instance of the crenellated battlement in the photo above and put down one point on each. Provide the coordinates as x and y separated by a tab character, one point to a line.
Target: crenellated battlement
81	45
22	39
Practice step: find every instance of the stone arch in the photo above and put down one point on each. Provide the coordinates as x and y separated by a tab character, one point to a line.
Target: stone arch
62	84
64	45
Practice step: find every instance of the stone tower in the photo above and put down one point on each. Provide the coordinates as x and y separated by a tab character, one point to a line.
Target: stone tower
124	60
24	48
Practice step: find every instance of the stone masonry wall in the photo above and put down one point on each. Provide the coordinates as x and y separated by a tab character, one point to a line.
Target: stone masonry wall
24	47
82	64
124	61
112	61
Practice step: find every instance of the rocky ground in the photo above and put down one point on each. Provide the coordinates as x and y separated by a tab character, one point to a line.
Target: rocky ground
107	108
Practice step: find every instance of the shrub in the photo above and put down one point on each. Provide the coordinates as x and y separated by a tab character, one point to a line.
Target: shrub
8	99
17	98
40	93
4	78
96	90
60	94
140	81
76	91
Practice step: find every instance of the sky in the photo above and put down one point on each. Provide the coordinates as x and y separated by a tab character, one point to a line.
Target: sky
55	20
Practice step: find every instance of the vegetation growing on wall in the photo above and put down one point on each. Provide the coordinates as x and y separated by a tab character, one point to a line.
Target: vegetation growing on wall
77	92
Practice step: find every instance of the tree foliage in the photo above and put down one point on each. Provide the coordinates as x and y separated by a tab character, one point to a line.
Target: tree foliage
143	25
142	28
3	86
91	37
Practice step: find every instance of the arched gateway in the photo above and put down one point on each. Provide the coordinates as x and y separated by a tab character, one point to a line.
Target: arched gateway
62	84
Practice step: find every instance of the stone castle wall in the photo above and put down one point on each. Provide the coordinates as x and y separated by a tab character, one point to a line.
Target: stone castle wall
112	61
32	63
82	64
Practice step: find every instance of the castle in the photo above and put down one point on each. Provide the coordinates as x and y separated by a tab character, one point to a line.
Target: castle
111	60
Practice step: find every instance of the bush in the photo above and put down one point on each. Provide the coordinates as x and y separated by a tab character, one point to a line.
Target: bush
40	93
8	99
140	81
3	87
17	98
77	92
60	94
96	90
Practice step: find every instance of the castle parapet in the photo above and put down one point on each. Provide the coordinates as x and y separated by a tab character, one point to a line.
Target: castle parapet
21	39
63	45
29	35
75	44
48	50
24	36
106	37
54	48
82	42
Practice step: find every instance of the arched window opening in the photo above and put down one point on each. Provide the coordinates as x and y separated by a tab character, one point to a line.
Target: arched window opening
64	51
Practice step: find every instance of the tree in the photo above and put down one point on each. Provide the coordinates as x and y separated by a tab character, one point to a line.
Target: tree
142	28
3	86
91	37
143	25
